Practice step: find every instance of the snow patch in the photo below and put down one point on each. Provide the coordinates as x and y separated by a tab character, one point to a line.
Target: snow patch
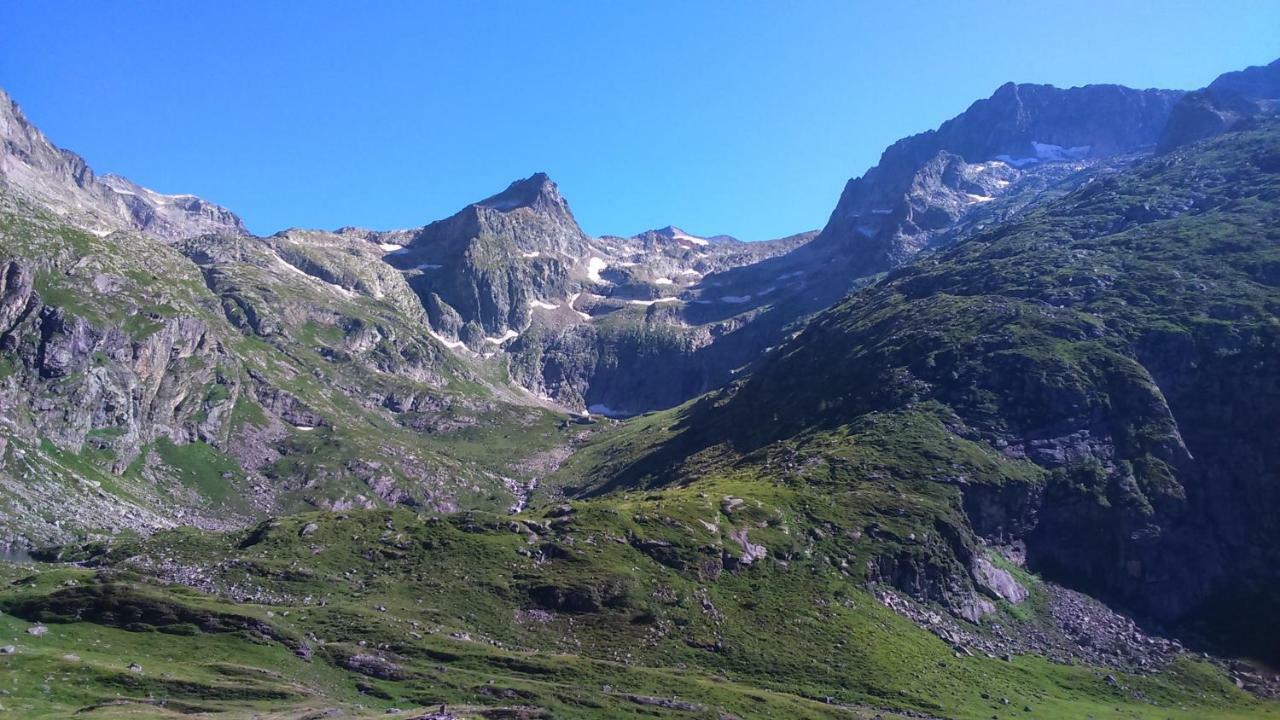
544	305
647	303
601	409
594	266
427	266
678	235
1017	162
338	288
690	271
979	198
1054	153
1047	152
533	254
451	344
508	335
390	247
735	299
662	281
573	299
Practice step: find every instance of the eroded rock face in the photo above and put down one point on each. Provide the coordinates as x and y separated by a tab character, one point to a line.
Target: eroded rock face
15	294
80	377
997	581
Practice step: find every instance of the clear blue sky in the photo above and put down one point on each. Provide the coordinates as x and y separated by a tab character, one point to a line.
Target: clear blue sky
721	117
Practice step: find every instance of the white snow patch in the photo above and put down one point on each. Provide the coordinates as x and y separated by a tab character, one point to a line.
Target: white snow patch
533	254
690	271
573	299
690	238
1017	162
662	281
979	198
304	427
427	266
544	305
647	303
1047	152
735	299
340	290
390	247
594	266
508	335
1050	152
451	344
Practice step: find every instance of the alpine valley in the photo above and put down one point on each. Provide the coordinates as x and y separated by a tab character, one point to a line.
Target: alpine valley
1000	440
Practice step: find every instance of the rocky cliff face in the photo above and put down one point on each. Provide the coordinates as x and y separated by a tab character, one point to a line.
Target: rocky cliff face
60	181
1227	101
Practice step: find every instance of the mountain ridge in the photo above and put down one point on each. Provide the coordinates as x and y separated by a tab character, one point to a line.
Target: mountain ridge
61	179
1001	450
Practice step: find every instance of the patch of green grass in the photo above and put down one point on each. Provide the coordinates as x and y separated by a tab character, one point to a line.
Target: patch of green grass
203	468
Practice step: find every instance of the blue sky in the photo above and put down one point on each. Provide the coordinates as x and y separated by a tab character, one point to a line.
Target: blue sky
722	117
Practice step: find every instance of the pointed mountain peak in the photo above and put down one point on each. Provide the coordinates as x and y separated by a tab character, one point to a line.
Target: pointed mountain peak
671	232
536	191
1009	88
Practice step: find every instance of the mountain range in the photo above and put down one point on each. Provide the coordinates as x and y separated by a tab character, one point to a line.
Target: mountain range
995	441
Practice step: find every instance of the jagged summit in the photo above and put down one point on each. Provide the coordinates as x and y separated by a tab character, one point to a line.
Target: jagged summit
925	183
537	192
62	182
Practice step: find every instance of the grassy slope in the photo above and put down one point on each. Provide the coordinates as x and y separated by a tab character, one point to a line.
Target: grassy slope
461	606
567	614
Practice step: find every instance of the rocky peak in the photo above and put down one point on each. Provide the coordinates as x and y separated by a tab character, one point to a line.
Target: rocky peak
536	192
1229	99
926	182
1256	82
479	271
671	232
63	183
